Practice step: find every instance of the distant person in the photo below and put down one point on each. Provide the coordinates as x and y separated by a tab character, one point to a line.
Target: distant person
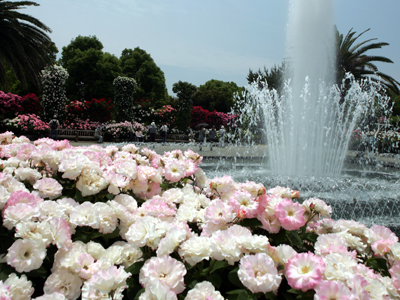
222	136
98	133
202	136
152	132
191	136
131	132
163	133
53	127
139	135
213	134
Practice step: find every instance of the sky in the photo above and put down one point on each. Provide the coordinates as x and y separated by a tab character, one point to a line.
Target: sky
199	40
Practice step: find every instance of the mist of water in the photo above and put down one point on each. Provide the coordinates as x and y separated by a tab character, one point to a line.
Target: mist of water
309	124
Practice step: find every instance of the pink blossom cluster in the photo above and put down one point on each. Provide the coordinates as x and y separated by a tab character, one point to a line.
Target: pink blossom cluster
122	129
152	201
32	123
80	124
9	102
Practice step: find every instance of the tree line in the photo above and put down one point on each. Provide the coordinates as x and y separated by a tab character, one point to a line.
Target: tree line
26	49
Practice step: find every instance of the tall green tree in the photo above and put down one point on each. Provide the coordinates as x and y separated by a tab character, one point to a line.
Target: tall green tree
217	95
91	70
184	104
352	57
25	48
138	64
274	77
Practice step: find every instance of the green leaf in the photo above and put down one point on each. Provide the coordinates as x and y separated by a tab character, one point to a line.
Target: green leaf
110	196
270	296
234	279
192	284
294	291
139	293
294	238
378	264
243	296
311	237
235	292
219	264
215	279
78	196
135	268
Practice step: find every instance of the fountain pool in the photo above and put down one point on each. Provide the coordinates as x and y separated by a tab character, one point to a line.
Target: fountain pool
367	193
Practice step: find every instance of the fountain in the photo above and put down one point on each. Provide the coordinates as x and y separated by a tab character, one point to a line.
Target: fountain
310	123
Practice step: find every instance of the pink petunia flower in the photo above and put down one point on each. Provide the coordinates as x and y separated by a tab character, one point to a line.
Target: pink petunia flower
5	293
174	170
395	273
333	290
26	255
48	188
258	273
290	214
304	271
165	270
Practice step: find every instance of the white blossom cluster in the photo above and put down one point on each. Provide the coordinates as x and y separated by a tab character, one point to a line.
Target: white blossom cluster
124	87
53	85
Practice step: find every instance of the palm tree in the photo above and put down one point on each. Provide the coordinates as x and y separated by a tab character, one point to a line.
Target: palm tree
24	45
352	57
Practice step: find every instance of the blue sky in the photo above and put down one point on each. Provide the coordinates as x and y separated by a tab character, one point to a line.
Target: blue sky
199	40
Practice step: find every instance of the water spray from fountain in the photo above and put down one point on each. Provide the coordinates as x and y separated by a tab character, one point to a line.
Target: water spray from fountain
309	124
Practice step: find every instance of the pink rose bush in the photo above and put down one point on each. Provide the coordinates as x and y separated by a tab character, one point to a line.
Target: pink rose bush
128	223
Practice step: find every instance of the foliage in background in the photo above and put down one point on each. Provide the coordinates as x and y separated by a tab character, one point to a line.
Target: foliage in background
54	98
166	115
121	130
11	104
143	111
217	95
138	64
27	124
201	115
87	114
274	77
185	92
352	57
91	70
24	44
124	88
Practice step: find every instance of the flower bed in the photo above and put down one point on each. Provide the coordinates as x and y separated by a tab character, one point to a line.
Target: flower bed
110	223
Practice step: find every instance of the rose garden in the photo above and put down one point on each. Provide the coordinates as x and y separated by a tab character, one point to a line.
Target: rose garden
121	220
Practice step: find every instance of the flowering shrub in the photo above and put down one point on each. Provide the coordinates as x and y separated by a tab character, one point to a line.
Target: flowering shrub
10	104
80	124
30	104
27	124
54	98
124	88
95	110
201	115
110	223
142	111
382	141
121	130
165	115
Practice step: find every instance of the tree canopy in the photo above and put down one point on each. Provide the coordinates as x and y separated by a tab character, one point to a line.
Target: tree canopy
138	64
91	70
274	77
184	104
216	95
25	48
352	57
